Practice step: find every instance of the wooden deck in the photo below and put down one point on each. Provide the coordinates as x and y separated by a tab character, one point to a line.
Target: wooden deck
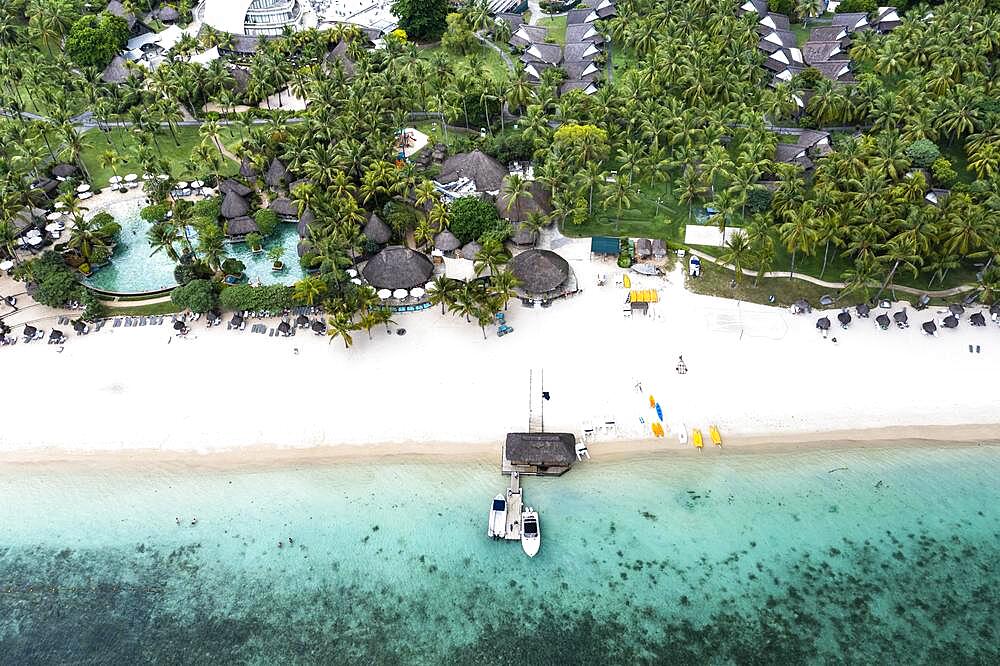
513	531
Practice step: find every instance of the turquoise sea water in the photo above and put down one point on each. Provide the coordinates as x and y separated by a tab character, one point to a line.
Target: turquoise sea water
134	269
850	556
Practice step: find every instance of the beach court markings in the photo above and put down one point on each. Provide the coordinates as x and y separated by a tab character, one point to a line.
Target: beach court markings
771	325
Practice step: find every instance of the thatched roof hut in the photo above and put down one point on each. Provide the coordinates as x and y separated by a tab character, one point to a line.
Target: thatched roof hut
398	267
523	236
447	241
240	227
167	14
477	166
535	199
539	271
376	230
116	71
63	170
247	169
540	450
470	250
233	206
304	222
234	186
277	174
339	54
284	208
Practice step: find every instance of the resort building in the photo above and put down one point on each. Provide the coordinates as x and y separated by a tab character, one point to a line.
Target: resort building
539	453
542	275
269	18
470	174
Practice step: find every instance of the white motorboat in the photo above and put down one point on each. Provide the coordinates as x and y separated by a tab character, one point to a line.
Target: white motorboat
531	536
498	518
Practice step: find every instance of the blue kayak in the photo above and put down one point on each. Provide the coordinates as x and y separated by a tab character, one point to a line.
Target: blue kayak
659	412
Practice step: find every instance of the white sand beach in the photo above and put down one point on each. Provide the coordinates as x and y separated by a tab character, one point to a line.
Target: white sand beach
760	373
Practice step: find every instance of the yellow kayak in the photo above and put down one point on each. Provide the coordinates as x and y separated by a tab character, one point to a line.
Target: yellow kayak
657	429
696	438
713	431
652	402
627	281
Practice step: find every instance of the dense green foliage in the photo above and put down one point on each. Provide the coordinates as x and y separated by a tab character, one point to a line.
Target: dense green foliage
471	218
94	40
269	298
196	295
423	20
866	6
56	284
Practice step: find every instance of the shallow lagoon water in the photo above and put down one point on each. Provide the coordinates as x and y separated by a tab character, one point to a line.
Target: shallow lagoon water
863	556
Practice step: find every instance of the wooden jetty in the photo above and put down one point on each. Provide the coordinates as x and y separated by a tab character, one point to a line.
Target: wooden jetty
514	504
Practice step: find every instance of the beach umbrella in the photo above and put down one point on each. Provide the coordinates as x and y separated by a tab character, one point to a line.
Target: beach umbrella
58	205
56	334
883	321
826	300
83	188
844	318
929	327
659	412
79	326
51	217
86	195
283	328
163	176
802	305
33	233
53	227
823	323
318	326
951	321
429	286
417	292
6	265
29	330
197	183
899	317
178	326
956	309
352	273
181	185
995	308
35	240
400	294
356	281
862	309
977	319
114	180
236	320
131	178
301	321
384	294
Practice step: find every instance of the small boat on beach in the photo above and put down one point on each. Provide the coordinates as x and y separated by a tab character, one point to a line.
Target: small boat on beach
713	431
498	518
682	434
699	441
531	536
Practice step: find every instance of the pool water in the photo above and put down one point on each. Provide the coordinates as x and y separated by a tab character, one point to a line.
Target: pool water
134	269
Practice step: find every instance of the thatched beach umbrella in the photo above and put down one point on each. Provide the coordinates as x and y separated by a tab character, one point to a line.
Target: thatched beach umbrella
237	320
977	319
995	308
951	321
29	331
826	300
539	271
956	309
398	267
883	321
844	318
79	326
318	326
284	328
823	323
179	325
302	321
56	335
446	241
800	306
900	317
214	315
929	327
863	310
63	170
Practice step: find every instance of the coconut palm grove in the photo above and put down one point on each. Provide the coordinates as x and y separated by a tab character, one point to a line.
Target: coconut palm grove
854	144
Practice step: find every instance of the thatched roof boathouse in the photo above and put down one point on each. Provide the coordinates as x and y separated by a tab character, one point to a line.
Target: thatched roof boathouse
539	453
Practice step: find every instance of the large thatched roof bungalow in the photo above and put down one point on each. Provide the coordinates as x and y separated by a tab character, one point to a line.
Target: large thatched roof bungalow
240	227
398	267
234	186
376	230
535	199
276	175
234	206
304	222
541	273
284	208
485	172
548	453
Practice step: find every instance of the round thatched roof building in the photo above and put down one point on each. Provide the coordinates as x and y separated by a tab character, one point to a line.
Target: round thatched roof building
539	271
446	241
398	267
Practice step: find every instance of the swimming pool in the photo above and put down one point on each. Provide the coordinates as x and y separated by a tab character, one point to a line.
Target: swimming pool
134	269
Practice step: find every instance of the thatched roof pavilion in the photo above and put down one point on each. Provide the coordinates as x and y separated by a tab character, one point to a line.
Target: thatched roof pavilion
487	174
339	54
539	271
535	199
470	250
277	174
304	222
247	169
234	186
234	206
284	208
240	227
447	241
539	452
398	267
116	71
523	236
376	230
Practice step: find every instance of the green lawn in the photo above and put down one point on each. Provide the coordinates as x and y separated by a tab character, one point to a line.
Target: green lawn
557	28
124	143
717	281
166	307
482	57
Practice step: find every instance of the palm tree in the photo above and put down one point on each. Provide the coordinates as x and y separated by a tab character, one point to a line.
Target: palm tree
738	252
860	279
212	249
85	238
515	188
502	287
162	237
341	324
900	253
443	291
689	188
620	194
109	160
309	289
489	257
798	233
